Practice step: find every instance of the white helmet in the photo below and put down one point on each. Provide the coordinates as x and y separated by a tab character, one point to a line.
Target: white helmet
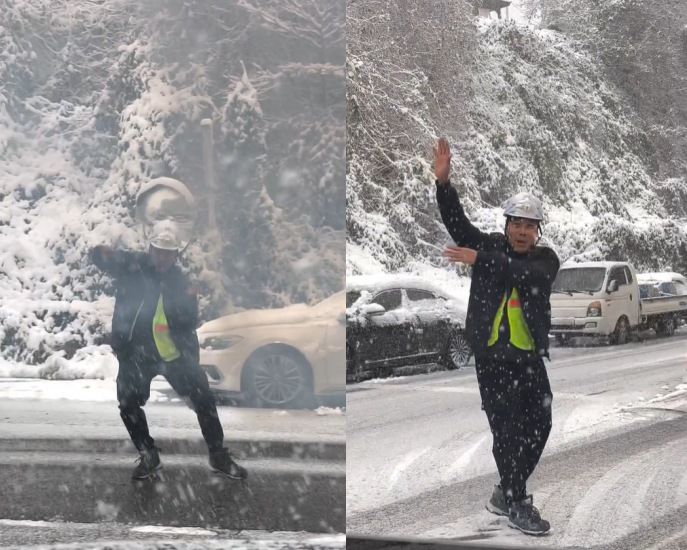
165	209
164	236
523	205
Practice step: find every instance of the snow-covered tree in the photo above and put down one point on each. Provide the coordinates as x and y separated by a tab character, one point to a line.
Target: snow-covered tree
98	97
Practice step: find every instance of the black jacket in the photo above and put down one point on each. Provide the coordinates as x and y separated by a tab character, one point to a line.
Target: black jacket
498	269
138	286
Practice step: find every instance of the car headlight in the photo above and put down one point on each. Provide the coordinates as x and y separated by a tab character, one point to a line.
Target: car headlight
594	309
220	342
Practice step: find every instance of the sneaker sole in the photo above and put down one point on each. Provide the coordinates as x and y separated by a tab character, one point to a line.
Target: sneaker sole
533	533
495	510
149	476
220	472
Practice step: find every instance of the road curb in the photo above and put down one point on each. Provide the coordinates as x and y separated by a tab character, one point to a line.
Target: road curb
279	495
327	449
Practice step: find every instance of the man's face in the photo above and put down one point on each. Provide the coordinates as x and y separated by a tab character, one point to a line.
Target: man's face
522	234
162	259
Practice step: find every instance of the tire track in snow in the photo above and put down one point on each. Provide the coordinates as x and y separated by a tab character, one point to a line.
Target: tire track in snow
560	485
613	506
404	464
459	467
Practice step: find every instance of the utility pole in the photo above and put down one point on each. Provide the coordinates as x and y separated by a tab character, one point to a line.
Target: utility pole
209	169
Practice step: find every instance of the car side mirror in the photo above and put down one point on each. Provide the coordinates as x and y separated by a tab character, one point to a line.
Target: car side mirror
612	286
373	310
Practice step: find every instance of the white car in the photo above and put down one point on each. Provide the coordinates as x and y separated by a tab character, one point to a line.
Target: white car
277	357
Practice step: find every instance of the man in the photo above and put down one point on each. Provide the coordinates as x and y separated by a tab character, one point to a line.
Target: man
507	324
154	332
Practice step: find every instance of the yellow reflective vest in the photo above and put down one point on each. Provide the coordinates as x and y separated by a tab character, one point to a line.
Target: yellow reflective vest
520	336
163	340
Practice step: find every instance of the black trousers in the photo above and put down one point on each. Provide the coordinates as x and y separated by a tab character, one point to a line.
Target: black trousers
516	397
133	390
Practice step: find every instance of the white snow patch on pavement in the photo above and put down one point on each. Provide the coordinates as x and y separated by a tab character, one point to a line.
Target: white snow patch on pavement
25	523
388	380
493	529
680	391
448	389
166	530
332	540
404	464
461	465
324	411
107	511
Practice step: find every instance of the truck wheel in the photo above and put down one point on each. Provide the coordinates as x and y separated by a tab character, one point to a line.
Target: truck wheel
621	333
667	327
561	340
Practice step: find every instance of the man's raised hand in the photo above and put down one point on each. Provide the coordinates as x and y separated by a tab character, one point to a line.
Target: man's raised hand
460	255
442	161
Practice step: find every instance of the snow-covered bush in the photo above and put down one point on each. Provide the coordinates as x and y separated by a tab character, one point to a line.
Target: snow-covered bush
538	114
96	98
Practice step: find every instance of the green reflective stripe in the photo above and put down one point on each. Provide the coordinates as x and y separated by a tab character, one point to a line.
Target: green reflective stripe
163	341
497	323
520	336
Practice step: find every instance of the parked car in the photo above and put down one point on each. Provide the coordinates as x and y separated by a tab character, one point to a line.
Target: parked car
277	357
399	320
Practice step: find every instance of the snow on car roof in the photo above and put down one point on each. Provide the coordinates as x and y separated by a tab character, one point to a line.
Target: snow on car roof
569	265
384	281
663	277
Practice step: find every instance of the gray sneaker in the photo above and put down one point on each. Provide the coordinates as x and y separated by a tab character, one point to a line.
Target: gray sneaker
497	503
524	516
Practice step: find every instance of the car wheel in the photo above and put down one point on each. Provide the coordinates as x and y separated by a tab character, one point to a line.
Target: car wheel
621	333
278	378
458	351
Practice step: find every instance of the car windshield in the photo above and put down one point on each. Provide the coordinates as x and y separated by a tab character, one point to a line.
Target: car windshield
352	297
580	278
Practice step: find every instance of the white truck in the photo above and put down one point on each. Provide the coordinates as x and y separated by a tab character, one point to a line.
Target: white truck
603	299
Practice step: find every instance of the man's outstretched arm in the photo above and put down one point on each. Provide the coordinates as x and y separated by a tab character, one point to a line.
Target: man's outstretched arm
452	214
115	262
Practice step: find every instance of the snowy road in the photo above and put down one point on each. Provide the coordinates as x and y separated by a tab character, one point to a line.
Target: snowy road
420	465
62	437
114	536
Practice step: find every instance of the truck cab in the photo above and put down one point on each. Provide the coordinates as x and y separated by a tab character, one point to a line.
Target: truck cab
595	299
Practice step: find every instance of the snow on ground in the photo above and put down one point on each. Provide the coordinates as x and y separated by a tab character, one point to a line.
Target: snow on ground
248	534
76	390
582	412
327	411
90	362
159	537
88	376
